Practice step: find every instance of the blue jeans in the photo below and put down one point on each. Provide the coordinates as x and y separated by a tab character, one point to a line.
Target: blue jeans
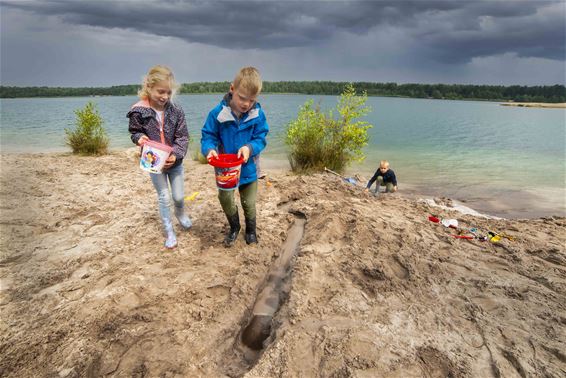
173	176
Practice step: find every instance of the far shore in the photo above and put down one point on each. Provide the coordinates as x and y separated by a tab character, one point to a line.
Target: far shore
561	105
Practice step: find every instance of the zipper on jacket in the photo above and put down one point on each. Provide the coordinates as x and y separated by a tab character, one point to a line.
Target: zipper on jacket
161	126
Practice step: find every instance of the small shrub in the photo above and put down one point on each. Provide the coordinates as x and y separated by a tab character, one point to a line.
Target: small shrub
317	140
198	156
89	137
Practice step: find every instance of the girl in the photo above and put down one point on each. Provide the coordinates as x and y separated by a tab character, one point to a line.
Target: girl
156	118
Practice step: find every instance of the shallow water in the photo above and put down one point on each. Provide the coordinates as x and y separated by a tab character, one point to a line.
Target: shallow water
506	161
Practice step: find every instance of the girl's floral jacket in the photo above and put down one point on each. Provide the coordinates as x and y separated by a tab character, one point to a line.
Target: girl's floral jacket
143	121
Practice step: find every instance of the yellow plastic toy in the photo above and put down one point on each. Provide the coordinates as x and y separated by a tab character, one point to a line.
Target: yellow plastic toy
192	197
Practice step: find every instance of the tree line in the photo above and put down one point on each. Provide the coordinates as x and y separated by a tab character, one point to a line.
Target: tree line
518	93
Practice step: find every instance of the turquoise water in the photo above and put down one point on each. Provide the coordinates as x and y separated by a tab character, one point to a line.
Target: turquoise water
507	161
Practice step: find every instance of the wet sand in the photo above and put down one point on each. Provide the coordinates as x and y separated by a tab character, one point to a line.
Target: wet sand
375	289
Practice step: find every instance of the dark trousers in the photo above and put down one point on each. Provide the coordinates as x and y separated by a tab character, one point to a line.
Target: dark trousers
248	193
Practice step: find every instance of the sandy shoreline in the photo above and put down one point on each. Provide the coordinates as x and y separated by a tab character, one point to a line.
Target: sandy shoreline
513	204
375	290
561	105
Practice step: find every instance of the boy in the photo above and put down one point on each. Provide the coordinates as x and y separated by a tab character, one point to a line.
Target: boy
384	176
237	125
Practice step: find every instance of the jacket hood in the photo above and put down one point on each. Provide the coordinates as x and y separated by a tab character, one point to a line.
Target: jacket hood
226	115
141	104
146	110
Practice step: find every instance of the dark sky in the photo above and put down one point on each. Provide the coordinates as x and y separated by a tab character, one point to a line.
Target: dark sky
104	42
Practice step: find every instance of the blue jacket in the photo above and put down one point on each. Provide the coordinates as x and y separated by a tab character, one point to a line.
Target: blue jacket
225	133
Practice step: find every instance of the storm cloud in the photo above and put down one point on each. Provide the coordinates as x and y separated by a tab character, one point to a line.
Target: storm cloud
344	40
456	31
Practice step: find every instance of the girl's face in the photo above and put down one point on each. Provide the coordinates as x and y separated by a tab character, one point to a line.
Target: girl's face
159	95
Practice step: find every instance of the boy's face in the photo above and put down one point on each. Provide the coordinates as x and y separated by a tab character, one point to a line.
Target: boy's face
383	168
241	102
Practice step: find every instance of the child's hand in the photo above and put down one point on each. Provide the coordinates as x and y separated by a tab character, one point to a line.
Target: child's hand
211	153
244	152
142	140
170	161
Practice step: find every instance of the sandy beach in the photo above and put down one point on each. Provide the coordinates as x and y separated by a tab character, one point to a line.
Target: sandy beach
375	289
561	105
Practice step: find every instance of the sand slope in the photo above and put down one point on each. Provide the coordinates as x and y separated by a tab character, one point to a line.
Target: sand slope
377	290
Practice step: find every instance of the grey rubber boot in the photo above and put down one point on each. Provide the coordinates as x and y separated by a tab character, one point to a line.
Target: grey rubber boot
171	239
183	218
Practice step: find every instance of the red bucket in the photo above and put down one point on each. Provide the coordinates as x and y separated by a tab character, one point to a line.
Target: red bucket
227	170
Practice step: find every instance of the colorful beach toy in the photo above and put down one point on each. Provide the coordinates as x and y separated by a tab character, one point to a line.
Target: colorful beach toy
153	156
226	170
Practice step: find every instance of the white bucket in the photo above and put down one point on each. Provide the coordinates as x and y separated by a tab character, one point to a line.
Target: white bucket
153	156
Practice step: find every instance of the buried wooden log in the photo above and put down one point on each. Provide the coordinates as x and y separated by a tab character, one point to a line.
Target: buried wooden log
269	299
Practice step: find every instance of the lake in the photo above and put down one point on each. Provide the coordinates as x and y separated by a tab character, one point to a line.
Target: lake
500	160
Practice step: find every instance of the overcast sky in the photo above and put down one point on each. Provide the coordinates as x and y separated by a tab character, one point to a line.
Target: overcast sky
113	42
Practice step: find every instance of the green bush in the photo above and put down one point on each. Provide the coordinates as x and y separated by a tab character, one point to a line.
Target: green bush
198	156
317	140
89	137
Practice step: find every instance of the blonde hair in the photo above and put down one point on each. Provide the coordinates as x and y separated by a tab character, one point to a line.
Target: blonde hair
249	80
384	164
157	74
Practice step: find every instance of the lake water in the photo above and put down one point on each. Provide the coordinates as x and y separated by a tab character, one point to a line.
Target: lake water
500	160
